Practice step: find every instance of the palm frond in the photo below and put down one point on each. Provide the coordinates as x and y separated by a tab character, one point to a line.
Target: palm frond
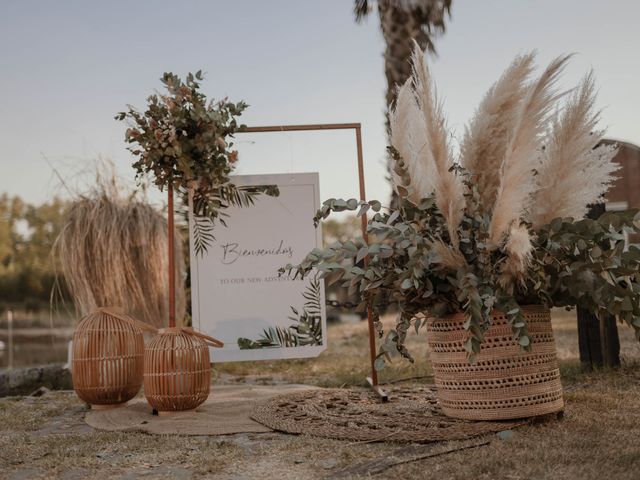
202	234
361	9
244	196
211	205
272	337
306	328
312	297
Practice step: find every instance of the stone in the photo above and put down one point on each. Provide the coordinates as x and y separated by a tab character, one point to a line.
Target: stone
40	392
23	381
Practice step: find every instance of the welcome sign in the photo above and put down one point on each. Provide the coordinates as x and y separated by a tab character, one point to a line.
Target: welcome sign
236	292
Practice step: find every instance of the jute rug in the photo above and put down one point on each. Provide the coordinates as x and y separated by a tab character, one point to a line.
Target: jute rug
411	415
226	411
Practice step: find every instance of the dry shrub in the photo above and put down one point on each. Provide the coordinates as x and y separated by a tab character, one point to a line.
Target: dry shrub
112	251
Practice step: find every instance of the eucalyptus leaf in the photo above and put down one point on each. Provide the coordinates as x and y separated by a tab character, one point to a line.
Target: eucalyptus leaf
505	434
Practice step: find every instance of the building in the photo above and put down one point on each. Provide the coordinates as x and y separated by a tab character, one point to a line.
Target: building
625	192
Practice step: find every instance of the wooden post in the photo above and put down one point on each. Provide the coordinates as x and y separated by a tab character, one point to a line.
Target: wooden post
10	338
172	267
598	339
591	331
373	380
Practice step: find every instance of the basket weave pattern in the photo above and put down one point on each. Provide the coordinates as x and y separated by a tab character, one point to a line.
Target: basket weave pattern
108	352
177	370
506	382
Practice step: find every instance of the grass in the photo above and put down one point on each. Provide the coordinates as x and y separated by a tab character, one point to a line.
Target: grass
596	439
45	437
344	363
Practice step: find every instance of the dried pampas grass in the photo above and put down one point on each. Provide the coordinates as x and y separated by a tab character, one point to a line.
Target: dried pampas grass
526	164
484	144
112	251
409	138
419	134
573	173
519	250
516	178
445	255
448	186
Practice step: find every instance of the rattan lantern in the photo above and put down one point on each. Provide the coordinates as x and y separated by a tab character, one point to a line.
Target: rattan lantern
177	369
107	358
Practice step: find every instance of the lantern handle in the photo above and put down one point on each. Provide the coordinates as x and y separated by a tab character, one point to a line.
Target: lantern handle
212	342
122	315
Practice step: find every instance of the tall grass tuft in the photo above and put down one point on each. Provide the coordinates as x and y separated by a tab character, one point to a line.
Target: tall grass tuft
112	251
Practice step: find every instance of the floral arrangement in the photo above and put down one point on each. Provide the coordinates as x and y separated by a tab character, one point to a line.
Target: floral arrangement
499	226
185	141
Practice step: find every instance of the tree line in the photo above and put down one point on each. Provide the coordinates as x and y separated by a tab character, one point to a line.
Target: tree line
27	235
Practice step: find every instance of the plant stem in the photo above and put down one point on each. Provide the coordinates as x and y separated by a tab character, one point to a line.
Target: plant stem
172	280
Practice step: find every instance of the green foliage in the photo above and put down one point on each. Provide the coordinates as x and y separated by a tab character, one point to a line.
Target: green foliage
581	262
585	263
183	140
306	329
27	234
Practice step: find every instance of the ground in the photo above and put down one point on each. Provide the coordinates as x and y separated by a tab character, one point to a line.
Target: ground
45	437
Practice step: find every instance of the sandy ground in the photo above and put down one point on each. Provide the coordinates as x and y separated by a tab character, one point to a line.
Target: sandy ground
46	437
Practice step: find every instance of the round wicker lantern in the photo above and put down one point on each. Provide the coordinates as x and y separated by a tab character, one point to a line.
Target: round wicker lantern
177	369
506	382
107	357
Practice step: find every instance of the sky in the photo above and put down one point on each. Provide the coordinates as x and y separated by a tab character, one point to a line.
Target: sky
67	67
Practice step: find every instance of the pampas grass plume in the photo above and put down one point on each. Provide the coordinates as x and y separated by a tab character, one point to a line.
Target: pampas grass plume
516	179
449	190
485	141
572	173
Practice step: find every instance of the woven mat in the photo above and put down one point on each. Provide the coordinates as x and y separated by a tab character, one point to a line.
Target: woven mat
226	411
411	415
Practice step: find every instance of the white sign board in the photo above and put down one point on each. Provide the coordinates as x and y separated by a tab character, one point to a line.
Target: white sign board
236	292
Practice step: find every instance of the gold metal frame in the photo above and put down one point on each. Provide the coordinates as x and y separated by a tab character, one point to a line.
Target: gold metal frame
373	379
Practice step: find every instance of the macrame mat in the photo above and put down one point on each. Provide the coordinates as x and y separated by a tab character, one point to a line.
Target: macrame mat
412	414
226	411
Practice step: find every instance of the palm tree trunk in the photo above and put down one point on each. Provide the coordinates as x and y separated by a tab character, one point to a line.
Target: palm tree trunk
402	22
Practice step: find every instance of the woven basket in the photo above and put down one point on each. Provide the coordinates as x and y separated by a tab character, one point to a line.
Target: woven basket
107	357
177	369
506	382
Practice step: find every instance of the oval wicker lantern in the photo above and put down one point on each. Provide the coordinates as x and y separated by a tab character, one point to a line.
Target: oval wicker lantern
107	357
177	369
506	382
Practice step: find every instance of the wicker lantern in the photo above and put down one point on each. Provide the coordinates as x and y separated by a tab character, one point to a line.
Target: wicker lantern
177	369
108	351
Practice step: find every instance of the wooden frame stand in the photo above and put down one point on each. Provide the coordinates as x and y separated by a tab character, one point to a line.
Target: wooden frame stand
373	379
